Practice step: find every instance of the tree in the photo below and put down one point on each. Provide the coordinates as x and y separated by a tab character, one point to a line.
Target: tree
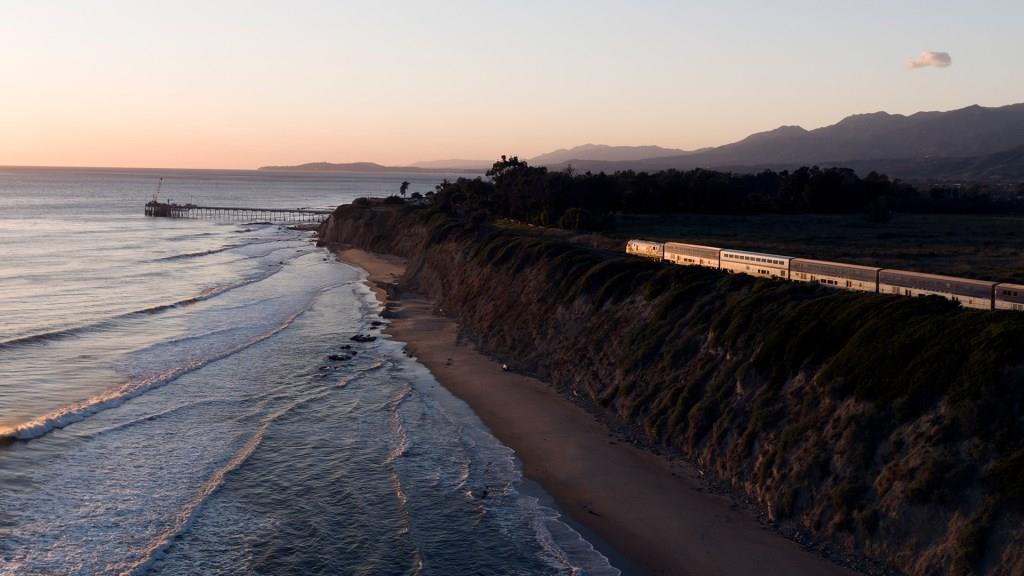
505	166
404	188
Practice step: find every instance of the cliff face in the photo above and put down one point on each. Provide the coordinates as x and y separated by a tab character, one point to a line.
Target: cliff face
885	426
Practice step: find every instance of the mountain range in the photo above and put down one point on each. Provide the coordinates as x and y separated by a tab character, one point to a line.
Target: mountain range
975	143
970	143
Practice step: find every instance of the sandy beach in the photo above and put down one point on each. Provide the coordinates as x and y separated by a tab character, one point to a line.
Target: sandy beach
654	512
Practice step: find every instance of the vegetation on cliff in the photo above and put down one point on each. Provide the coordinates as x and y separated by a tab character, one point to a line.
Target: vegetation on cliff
590	201
887	426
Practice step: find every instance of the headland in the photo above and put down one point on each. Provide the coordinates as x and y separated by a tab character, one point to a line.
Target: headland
874	429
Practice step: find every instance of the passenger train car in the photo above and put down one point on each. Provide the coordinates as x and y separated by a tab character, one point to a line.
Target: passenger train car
979	294
755	263
969	293
837	274
1009	297
692	254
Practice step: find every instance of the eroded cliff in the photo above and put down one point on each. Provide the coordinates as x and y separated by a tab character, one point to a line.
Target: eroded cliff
883	426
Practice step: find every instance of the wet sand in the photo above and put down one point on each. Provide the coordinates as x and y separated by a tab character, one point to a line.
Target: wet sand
654	512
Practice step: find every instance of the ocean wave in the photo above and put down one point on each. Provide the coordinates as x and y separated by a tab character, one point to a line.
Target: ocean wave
164	414
401	437
183	519
225	248
194	254
566	549
156	549
70	331
109	399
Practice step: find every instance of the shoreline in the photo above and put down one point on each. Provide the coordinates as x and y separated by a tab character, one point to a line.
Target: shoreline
656	513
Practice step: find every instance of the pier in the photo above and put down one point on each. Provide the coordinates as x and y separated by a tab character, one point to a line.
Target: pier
172	210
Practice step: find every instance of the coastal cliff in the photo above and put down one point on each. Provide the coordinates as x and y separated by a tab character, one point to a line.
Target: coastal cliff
874	425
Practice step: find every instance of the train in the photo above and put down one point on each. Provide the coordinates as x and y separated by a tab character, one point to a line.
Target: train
969	293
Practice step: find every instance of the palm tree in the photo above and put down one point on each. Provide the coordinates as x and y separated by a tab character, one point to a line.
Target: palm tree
404	188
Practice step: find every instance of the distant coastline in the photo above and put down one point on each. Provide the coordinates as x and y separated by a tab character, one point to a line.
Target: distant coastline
362	167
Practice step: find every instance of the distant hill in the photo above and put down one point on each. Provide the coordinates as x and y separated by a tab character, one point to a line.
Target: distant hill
1001	167
920	145
601	152
455	164
355	167
1005	166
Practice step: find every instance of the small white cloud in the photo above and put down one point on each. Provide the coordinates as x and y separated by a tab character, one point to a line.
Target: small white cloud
928	58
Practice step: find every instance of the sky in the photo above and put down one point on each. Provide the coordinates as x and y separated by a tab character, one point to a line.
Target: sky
243	84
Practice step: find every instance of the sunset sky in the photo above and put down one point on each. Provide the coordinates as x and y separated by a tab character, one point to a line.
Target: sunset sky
243	84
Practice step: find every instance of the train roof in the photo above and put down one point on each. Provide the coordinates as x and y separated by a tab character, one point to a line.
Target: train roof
692	245
1010	285
888	271
749	253
833	263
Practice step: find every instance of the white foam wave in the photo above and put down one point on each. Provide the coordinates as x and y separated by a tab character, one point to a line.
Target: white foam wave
79	411
184	517
64	332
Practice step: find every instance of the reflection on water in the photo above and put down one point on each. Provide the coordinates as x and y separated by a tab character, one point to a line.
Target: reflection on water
170	406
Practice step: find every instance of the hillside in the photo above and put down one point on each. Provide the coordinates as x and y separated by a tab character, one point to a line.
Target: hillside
1005	167
603	153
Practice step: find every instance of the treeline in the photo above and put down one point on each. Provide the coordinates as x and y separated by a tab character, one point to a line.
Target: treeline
589	201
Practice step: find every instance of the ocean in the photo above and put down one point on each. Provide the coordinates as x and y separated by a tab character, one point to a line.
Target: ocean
184	397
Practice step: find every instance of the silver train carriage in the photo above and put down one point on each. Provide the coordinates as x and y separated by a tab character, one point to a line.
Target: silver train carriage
1009	297
978	294
755	263
969	293
692	255
646	248
835	274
